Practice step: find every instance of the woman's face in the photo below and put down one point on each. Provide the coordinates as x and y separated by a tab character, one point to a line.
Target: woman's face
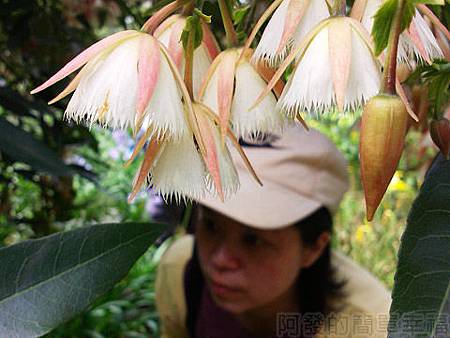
247	268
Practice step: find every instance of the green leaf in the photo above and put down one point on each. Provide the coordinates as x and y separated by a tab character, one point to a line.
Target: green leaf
240	14
23	147
408	14
437	78
383	21
422	281
382	25
45	282
192	29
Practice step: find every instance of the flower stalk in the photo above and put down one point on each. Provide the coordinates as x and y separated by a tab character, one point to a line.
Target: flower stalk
189	63
155	20
230	32
340	8
390	62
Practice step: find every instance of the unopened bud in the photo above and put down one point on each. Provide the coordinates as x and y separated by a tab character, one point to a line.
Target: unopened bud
440	134
383	129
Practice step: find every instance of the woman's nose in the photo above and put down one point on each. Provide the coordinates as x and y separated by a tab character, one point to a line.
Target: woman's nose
224	257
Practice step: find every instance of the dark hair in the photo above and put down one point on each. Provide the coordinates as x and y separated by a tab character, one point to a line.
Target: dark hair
319	290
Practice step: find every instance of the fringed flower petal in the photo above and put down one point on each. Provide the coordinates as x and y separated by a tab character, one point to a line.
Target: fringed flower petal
165	112
340	34
261	119
310	87
223	178
289	25
82	58
417	43
225	88
107	93
365	74
179	171
148	72
239	86
150	155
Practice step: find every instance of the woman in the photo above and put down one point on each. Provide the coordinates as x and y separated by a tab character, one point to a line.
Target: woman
260	264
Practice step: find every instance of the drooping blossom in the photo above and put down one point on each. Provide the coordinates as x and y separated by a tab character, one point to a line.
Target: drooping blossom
335	66
416	43
210	170
125	78
231	87
287	27
169	34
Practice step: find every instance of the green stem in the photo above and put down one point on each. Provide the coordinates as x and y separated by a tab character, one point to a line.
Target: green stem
187	215
232	38
340	7
188	8
390	62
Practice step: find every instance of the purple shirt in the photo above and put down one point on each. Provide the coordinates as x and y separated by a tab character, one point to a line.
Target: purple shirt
213	322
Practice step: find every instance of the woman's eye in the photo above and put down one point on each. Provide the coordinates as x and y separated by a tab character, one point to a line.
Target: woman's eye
252	240
209	226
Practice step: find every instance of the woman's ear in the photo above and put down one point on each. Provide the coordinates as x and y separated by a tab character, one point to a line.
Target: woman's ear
312	252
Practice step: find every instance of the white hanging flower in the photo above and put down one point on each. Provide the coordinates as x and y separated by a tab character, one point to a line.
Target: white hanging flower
290	23
335	67
127	78
231	87
416	44
181	170
169	34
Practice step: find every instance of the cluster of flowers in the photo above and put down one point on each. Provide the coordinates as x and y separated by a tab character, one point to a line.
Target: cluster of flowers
132	79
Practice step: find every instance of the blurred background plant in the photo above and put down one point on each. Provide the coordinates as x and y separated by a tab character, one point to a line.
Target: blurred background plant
56	176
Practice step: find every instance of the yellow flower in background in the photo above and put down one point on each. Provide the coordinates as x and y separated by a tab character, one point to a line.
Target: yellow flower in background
397	183
361	232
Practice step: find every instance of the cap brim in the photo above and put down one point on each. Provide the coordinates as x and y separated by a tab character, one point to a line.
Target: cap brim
260	206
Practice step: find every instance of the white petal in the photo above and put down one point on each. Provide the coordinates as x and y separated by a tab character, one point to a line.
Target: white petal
268	46
228	174
165	111
202	61
428	40
270	39
317	11
310	86
365	75
210	94
263	118
107	92
179	171
405	52
164	36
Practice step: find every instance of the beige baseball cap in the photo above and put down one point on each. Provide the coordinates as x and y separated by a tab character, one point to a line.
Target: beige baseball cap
301	171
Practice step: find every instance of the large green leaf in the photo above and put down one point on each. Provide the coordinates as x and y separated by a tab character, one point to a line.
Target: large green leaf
421	300
45	282
23	147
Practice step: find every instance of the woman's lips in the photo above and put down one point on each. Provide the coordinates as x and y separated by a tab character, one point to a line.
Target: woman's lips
223	290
